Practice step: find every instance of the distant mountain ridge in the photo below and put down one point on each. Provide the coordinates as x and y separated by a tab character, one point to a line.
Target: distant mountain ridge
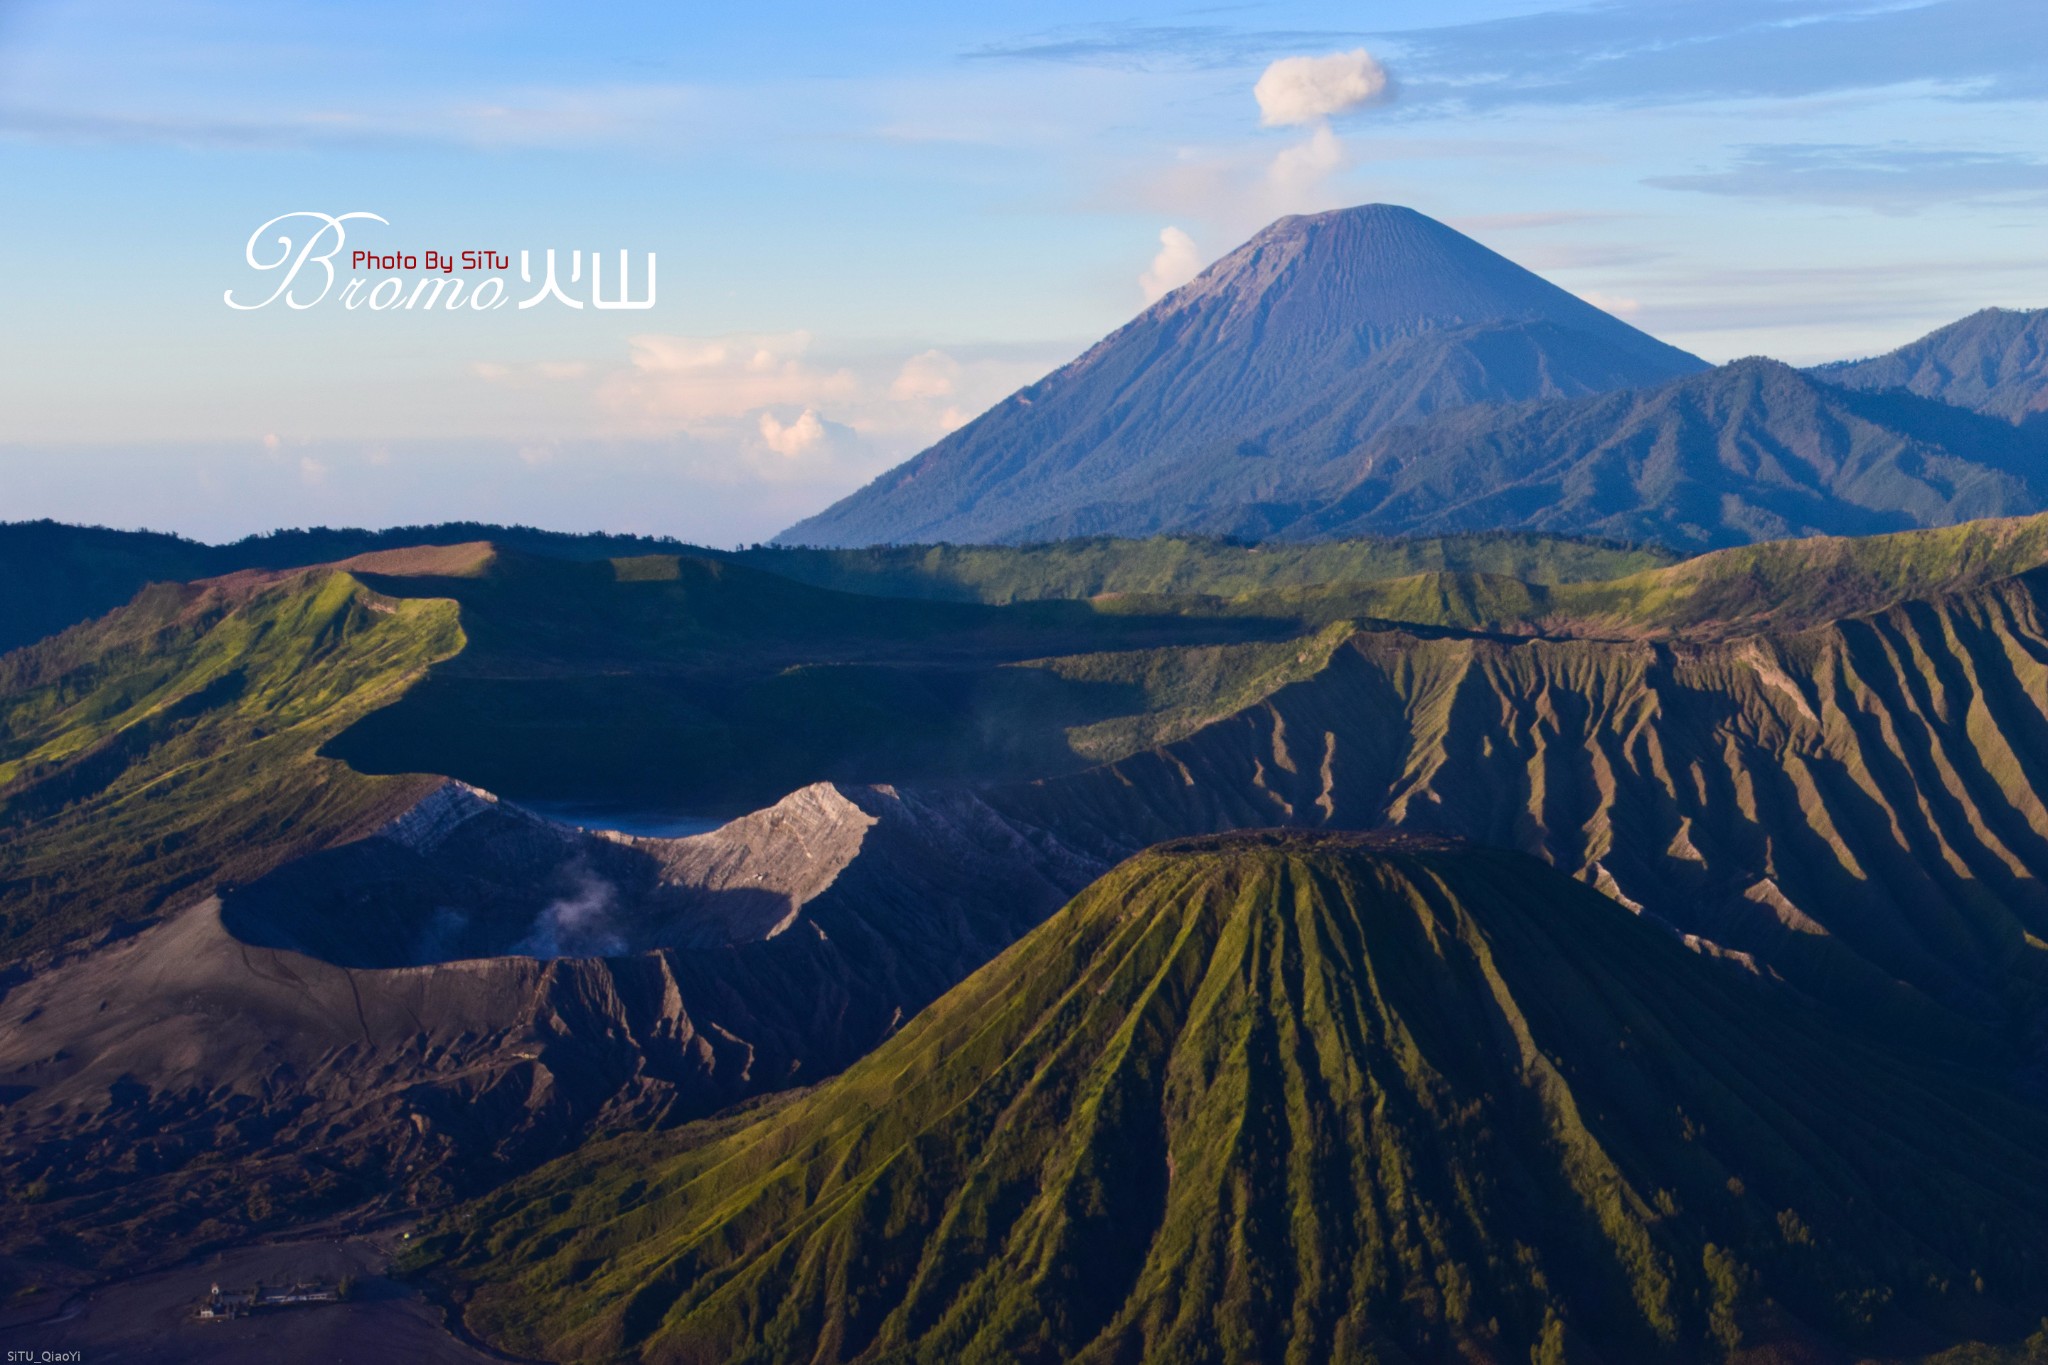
54	575
1372	372
1752	451
1311	338
1994	361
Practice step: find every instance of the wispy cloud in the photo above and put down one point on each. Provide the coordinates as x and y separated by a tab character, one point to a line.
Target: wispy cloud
1660	52
1178	262
777	410
1890	179
526	117
1154	47
1636	52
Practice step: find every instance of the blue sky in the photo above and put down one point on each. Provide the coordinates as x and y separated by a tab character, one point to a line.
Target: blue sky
873	221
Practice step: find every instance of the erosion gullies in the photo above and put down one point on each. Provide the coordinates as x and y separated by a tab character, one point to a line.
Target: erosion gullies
470	990
1818	764
1305	1098
1859	805
1252	384
183	1088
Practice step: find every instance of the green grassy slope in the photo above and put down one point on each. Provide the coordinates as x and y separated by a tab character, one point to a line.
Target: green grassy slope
1779	585
1180	565
54	576
57	575
699	681
175	743
1298	1098
1503	582
1797	583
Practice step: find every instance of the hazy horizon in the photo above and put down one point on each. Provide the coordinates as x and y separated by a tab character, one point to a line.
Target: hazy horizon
871	227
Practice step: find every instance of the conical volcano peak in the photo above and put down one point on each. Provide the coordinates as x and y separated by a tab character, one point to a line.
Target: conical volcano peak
1378	269
1255	382
1294	1094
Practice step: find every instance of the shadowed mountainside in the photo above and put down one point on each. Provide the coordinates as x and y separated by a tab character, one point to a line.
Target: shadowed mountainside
1314	1099
470	990
717	687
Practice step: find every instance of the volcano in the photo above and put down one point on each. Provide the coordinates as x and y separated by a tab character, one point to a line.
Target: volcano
1255	383
1286	1096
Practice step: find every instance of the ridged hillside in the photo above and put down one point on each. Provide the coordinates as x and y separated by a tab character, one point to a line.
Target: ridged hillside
1751	451
1288	1098
1249	383
147	756
1859	804
1994	361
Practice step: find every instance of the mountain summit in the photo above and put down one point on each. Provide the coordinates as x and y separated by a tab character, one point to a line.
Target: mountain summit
1994	361
1247	383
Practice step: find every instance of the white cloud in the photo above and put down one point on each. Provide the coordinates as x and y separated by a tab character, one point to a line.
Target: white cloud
1611	303
270	442
928	374
776	410
1237	188
555	371
1298	173
693	380
1178	262
794	438
1298	90
311	471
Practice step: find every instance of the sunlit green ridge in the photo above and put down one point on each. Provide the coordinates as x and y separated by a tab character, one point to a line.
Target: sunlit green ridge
176	743
1303	1098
